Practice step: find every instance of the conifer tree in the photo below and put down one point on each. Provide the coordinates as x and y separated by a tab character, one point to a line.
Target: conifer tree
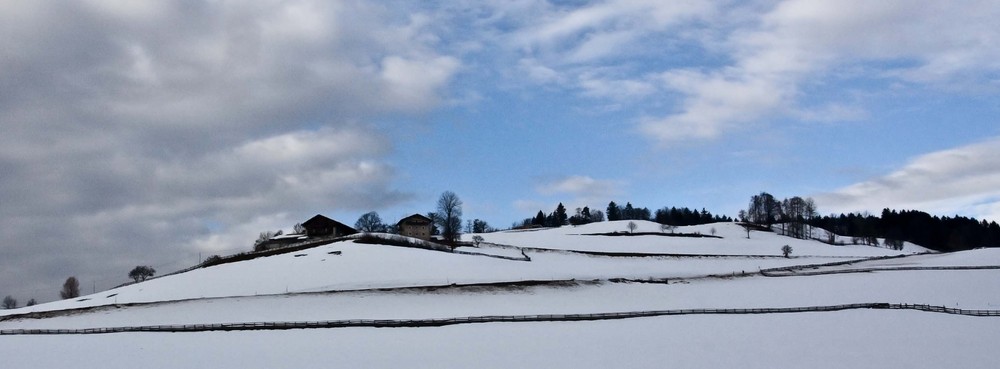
614	212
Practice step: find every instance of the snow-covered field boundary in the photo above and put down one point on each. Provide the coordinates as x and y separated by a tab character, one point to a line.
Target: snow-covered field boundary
791	272
439	322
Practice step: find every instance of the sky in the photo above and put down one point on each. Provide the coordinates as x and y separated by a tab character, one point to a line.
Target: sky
159	133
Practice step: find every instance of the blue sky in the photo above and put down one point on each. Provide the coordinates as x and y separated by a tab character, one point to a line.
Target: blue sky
154	132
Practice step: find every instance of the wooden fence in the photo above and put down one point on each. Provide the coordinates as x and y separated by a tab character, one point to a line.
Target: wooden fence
804	271
438	322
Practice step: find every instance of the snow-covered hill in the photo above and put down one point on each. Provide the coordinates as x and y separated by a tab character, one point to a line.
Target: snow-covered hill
347	265
730	239
347	280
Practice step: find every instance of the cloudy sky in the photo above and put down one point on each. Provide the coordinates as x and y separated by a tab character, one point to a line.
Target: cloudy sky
157	132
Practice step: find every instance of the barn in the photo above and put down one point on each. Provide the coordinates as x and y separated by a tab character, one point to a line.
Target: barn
321	226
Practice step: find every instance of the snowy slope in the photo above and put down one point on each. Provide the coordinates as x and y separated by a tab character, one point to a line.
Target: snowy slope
347	280
367	266
850	339
733	241
347	265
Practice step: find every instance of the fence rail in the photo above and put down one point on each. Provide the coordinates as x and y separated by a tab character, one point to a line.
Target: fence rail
438	322
805	271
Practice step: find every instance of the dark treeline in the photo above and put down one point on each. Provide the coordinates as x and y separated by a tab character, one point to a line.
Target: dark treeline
669	216
687	217
936	233
796	216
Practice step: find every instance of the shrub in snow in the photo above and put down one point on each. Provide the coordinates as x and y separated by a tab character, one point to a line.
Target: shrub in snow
212	260
894	244
786	250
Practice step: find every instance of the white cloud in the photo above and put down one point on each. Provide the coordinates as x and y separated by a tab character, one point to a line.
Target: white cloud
964	180
832	113
799	40
763	58
582	186
588	31
576	191
538	72
588	49
151	130
715	104
408	80
615	89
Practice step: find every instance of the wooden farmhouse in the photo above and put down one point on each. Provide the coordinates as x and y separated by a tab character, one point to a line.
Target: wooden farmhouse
315	227
416	226
321	226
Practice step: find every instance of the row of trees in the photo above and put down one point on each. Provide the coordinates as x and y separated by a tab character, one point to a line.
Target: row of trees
937	233
668	216
794	214
797	216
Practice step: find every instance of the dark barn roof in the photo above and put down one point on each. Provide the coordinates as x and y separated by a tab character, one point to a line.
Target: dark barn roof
321	226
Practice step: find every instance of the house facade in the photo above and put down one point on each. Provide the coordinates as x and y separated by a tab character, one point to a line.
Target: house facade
416	226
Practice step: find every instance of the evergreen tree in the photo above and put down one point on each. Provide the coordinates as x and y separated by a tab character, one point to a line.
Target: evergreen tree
629	212
539	219
560	216
643	214
614	212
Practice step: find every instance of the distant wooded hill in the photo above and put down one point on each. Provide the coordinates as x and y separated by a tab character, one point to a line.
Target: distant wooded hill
937	233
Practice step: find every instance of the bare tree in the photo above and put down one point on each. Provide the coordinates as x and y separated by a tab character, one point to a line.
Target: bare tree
141	273
764	209
31	302
747	226
810	213
370	222
631	227
9	302
667	227
70	289
786	250
449	215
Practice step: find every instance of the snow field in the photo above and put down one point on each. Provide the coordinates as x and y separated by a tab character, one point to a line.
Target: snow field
958	289
367	266
849	339
274	289
733	241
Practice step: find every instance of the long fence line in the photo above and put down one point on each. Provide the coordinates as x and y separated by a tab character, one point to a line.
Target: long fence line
797	271
439	322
